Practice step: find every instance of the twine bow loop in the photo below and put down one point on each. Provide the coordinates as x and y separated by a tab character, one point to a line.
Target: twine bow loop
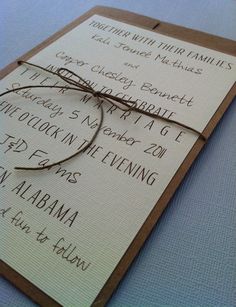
77	83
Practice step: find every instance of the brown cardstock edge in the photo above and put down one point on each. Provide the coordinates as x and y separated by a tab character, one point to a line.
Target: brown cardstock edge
200	38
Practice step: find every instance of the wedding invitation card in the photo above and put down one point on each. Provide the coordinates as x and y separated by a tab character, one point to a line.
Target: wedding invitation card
66	228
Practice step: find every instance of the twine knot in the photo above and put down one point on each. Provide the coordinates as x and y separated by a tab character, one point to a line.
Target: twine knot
77	83
96	94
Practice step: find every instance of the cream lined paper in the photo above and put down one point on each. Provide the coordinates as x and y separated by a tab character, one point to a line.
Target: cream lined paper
68	227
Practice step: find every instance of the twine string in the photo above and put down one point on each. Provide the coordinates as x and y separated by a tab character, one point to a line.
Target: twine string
83	86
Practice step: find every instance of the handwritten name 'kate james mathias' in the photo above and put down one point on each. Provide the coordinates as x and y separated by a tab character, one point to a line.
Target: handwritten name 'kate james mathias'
46	203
